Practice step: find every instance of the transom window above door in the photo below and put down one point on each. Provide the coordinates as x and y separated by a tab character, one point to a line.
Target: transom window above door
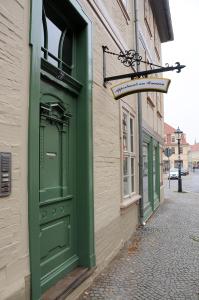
57	38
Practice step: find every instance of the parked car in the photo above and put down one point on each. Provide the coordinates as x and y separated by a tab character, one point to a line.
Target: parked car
184	172
173	174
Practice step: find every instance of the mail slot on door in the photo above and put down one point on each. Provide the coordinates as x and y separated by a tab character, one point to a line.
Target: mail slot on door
5	174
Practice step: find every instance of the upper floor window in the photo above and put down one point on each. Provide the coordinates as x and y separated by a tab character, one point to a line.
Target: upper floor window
157	43
148	17
125	2
128	153
173	139
124	8
57	39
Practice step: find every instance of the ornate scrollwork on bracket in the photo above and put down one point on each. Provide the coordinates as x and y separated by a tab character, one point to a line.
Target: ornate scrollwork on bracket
129	58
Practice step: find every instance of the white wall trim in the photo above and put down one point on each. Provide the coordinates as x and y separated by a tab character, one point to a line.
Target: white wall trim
144	43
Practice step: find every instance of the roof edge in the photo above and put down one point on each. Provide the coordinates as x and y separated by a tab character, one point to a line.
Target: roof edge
162	15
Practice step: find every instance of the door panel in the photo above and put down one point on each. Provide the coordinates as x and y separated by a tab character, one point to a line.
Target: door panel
51	161
57	183
156	177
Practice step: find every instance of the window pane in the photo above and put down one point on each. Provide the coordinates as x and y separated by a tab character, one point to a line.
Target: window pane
131	134
145	174
125	186
132	166
67	50
128	160
131	143
124	122
54	34
42	35
57	38
125	142
154	168
125	166
131	126
125	131
132	184
145	161
132	175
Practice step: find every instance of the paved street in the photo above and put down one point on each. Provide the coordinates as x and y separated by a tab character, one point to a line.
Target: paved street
189	183
162	261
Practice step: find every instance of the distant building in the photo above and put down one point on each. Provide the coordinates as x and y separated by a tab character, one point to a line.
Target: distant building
171	142
194	156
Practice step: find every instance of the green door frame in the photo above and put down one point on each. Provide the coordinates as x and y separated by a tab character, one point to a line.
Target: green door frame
156	191
153	196
85	213
148	209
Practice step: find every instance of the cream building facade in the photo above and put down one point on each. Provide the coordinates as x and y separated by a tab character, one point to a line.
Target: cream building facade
76	195
151	33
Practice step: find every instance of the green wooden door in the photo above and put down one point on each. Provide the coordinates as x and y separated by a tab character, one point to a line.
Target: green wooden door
57	199
61	219
156	176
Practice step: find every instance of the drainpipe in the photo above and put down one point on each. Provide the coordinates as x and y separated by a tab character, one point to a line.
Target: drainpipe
140	133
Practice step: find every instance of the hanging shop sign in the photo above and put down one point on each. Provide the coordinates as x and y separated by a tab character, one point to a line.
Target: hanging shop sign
131	58
140	85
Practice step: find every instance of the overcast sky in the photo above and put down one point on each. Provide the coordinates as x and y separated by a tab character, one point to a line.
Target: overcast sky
182	99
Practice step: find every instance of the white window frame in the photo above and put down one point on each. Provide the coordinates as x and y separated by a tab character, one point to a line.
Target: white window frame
173	141
148	17
173	150
127	153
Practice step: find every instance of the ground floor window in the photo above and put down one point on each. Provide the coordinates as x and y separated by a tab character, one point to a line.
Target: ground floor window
128	153
176	163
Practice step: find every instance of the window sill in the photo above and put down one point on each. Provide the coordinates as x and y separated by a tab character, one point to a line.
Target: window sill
126	203
150	102
159	114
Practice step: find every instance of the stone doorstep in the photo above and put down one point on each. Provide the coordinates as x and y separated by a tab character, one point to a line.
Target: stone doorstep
66	285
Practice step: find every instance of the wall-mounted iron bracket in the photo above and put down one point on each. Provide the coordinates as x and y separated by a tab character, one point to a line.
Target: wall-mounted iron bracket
131	58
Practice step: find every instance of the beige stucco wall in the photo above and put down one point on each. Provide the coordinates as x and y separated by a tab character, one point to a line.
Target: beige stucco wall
112	228
153	110
14	95
152	102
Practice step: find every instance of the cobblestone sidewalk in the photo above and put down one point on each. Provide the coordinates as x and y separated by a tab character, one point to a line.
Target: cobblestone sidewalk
162	262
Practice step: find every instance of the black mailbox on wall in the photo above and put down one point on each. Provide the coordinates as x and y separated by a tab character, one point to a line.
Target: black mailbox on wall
5	174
